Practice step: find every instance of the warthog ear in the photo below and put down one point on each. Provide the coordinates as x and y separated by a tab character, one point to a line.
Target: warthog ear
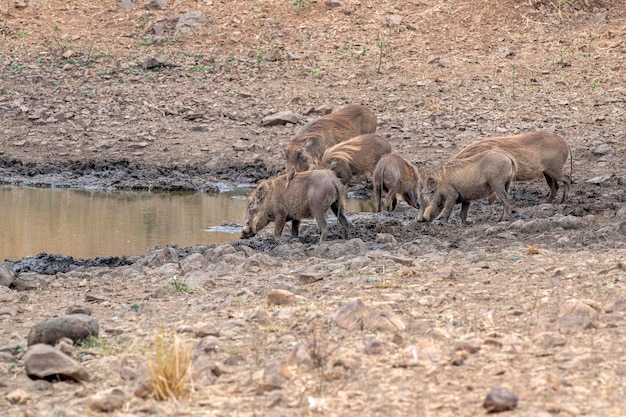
431	185
259	195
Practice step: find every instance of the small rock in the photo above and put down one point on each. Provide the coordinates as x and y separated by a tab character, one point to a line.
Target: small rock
603	149
373	346
126	5
274	375
43	361
18	397
616	306
258	315
7	276
155	5
205	329
65	345
500	399
382	320
280	118
79	309
472	345
107	401
351	315
394	20
601	180
280	297
190	21
74	326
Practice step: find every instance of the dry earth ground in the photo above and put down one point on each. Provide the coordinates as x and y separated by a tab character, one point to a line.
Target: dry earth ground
530	305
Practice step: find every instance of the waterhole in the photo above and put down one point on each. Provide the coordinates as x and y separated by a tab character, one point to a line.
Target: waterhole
88	224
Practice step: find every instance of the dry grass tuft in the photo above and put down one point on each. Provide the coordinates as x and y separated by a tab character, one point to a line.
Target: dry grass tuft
170	368
534	251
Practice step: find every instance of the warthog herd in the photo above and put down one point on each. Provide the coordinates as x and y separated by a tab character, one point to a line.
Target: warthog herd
326	153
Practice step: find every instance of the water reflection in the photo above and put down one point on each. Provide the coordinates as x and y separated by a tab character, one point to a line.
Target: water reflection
86	224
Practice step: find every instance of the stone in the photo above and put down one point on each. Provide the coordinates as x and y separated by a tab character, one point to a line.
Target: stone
208	344
280	297
6	275
27	281
126	5
274	375
382	320
205	329
18	397
351	315
280	118
74	326
65	345
603	149
155	5
500	399
7	295
43	361
79	309
107	401
615	306
373	346
190	21
259	315
160	257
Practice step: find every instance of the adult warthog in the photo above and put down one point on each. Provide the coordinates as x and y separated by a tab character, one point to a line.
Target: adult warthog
536	154
292	197
395	175
465	180
354	157
308	145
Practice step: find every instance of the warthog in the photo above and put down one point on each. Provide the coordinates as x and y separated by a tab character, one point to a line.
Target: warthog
395	175
535	154
292	197
308	145
357	156
464	180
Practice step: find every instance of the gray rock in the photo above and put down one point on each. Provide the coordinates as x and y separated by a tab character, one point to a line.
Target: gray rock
7	295
6	275
79	309
351	315
74	326
601	179
603	149
500	399
159	257
32	281
334	250
190	21
155	5
280	118
358	263
200	279
570	222
280	297
195	261
45	362
126	4
108	400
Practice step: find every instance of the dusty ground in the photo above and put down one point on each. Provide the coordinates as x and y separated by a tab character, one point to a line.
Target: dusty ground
536	295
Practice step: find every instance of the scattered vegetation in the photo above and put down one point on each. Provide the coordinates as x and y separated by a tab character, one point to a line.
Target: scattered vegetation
170	367
180	287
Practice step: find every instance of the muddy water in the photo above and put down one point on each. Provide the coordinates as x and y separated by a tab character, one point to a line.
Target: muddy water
88	224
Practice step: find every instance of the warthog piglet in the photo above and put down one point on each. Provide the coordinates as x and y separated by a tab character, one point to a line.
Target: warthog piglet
395	175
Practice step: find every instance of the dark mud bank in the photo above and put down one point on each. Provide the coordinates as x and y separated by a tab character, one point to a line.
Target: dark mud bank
127	175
